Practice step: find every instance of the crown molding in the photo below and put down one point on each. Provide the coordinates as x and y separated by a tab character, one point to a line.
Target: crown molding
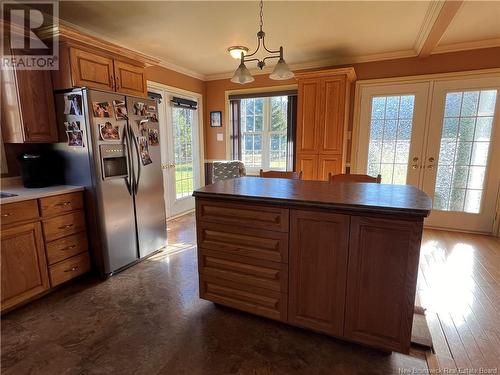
465	46
180	69
430	18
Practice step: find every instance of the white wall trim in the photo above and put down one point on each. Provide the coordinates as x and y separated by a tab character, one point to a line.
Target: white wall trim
227	109
466	46
429	20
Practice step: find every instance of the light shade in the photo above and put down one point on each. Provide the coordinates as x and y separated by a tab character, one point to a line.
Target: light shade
281	71
235	51
242	75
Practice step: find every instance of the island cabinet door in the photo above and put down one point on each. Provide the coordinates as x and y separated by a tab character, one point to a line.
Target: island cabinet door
317	270
381	282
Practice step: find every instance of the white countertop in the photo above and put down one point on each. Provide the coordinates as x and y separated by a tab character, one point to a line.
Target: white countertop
15	186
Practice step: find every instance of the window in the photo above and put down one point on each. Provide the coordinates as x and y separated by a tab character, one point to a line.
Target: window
264	132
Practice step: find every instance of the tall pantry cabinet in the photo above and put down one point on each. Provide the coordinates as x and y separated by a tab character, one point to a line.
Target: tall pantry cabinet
322	115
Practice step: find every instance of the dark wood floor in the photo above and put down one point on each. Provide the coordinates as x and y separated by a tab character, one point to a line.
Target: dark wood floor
149	320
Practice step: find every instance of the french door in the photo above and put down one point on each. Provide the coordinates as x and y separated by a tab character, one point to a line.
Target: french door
180	157
440	136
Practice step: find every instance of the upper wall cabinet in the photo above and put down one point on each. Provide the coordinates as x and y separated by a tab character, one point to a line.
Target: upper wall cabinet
80	67
28	112
322	116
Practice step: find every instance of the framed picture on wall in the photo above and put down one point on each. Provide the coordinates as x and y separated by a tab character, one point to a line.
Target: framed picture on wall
216	119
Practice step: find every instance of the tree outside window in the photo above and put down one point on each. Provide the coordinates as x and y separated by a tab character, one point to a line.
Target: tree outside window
263	124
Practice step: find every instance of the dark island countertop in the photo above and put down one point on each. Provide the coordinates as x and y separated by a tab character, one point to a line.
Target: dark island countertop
361	197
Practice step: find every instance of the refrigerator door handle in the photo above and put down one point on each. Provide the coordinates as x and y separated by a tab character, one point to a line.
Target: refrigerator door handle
132	135
129	179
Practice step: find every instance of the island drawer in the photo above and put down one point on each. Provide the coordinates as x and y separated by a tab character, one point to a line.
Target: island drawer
253	243
64	225
19	211
267	303
69	269
61	204
66	247
247	215
243	270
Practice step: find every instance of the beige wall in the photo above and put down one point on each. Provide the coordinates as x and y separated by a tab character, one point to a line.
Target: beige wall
439	63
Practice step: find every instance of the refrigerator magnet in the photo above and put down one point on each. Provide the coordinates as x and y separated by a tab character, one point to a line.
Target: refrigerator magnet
153	116
140	109
73	104
154	137
120	109
75	138
108	132
101	109
144	150
72	126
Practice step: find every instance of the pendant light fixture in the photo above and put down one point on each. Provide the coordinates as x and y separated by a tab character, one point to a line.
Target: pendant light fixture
242	74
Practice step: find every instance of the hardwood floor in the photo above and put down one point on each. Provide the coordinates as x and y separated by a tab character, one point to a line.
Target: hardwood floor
459	285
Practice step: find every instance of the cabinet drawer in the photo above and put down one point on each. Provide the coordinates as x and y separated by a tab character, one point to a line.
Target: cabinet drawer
258	301
66	247
254	243
248	271
64	225
61	204
19	211
248	215
69	269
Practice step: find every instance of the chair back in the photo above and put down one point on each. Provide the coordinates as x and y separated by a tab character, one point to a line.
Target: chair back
353	178
281	174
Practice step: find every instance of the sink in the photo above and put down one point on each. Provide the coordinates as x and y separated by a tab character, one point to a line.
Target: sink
7	195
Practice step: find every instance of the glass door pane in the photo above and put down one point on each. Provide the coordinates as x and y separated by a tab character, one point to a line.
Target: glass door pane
182	129
390	136
463	155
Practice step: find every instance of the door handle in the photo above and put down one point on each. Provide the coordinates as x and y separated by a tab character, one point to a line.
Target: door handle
128	180
136	182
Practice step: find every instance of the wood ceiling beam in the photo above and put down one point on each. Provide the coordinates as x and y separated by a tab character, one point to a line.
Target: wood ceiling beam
443	20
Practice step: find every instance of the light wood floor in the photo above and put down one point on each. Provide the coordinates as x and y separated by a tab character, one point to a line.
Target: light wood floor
458	285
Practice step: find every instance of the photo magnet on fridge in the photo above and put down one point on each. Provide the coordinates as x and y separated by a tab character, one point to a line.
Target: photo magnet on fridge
152	116
140	109
72	126
144	150
72	104
154	137
102	109
120	109
75	138
108	132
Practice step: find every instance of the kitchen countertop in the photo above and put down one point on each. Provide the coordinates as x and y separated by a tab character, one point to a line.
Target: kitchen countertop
380	198
15	186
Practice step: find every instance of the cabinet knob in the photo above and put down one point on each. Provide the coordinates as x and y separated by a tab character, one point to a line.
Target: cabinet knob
65	226
63	204
7	214
71	269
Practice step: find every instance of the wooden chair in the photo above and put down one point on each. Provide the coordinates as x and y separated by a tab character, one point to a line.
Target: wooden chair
353	178
280	174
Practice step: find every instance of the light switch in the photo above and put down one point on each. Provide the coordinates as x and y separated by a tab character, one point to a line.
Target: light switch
220	136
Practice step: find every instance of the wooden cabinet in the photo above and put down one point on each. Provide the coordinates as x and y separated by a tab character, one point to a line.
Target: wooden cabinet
322	115
28	111
91	70
24	268
40	252
381	282
130	79
82	67
318	267
345	264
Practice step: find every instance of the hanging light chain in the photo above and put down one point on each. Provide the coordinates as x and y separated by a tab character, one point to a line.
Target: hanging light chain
261	14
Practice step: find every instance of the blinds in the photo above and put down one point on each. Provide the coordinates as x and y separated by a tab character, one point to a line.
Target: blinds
184	103
263	94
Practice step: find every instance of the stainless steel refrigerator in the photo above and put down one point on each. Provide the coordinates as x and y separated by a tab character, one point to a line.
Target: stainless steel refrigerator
110	144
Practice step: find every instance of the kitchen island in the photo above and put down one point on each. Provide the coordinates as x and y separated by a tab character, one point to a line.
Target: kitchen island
340	259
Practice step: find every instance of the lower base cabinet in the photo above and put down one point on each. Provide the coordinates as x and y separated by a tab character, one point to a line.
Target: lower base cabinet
381	282
22	250
318	265
351	276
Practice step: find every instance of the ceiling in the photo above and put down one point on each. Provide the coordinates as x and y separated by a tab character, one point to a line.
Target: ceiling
192	36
